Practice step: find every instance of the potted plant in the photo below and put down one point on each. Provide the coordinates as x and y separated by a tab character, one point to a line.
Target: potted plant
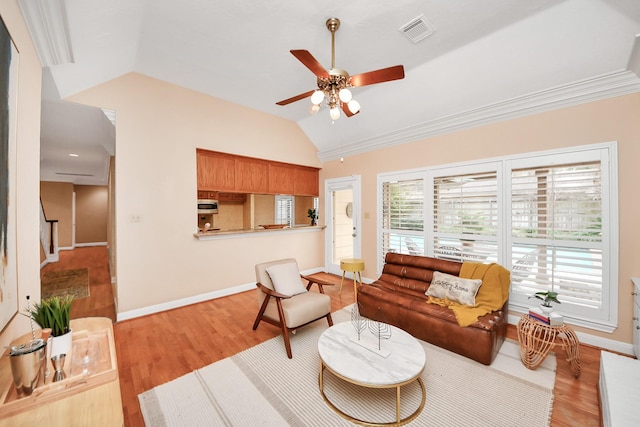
54	313
311	213
547	297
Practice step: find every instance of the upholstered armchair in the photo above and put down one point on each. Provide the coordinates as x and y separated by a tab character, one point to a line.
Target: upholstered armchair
285	302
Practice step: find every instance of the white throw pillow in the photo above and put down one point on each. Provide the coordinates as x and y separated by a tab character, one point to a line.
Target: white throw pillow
454	288
286	279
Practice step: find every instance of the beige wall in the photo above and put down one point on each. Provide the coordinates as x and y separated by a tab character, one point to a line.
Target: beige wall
158	128
616	119
57	199
92	213
28	169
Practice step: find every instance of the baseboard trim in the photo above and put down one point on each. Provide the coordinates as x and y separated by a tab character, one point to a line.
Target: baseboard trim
84	245
132	314
596	341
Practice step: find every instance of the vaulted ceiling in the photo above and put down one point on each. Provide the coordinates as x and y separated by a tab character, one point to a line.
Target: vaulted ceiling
485	60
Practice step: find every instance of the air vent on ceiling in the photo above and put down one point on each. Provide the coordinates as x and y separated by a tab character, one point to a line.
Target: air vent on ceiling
417	29
73	174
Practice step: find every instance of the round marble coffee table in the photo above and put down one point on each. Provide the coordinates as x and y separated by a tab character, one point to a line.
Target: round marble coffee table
400	361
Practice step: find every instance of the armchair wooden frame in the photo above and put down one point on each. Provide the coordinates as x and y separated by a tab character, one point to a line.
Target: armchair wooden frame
281	323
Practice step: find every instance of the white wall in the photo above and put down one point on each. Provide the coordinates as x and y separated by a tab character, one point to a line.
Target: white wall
158	128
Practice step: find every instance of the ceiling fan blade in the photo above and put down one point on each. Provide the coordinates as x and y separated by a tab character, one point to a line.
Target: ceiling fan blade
378	76
311	63
347	112
295	98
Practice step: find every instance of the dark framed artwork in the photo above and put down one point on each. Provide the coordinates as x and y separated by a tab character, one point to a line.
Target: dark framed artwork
8	106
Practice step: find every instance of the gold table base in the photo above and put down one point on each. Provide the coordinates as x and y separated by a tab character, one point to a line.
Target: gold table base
399	421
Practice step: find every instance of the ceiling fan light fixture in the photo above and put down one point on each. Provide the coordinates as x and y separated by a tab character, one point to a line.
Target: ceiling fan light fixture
313	108
334	113
317	97
345	95
354	106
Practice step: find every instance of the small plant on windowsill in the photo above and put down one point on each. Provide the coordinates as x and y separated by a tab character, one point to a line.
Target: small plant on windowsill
547	297
311	213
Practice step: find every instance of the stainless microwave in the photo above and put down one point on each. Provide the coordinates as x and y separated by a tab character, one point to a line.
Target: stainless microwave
207	206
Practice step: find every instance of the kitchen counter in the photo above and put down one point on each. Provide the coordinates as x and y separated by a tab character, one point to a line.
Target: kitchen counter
220	234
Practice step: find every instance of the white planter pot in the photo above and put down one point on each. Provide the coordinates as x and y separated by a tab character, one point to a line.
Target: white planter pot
546	309
61	345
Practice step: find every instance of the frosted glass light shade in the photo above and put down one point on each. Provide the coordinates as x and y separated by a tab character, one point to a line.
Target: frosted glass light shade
317	97
354	106
334	113
313	108
345	95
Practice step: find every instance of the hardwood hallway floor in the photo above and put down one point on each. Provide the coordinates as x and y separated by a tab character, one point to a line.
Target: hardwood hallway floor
154	349
95	258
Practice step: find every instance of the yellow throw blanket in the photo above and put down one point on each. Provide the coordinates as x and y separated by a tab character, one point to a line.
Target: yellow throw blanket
490	297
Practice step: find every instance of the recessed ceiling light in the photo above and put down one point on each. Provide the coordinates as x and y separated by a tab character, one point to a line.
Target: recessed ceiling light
74	155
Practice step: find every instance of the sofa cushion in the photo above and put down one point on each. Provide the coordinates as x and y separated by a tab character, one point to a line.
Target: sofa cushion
454	288
286	279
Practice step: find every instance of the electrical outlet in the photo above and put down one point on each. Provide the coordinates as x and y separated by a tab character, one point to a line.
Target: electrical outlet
135	218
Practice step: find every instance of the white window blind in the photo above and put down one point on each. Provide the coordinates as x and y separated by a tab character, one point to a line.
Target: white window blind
402	216
284	210
465	217
556	223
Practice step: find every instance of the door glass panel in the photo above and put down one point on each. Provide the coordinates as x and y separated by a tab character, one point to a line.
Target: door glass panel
342	224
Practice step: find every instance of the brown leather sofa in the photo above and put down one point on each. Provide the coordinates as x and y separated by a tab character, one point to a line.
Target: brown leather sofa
398	298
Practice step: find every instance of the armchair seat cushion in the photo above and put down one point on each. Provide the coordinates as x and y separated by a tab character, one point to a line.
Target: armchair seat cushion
301	309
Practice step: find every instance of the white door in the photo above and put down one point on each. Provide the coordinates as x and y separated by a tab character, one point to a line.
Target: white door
342	208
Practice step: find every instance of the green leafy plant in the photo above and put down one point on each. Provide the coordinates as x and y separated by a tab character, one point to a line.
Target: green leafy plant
53	313
547	297
311	213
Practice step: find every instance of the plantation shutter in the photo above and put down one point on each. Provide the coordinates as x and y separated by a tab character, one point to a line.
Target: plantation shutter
284	210
557	239
402	217
465	217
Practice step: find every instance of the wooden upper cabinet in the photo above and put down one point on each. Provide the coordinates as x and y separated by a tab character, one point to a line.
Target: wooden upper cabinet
252	175
216	171
305	181
281	177
238	174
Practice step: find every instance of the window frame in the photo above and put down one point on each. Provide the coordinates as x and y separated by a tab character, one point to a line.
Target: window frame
607	318
289	199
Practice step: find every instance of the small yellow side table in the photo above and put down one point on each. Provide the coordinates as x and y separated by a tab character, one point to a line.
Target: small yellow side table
356	266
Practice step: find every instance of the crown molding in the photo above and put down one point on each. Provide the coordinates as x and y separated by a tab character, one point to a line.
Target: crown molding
47	23
601	87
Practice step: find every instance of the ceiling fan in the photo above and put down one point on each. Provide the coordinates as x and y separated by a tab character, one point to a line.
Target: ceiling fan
334	84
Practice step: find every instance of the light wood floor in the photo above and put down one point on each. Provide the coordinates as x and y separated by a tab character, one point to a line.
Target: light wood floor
160	347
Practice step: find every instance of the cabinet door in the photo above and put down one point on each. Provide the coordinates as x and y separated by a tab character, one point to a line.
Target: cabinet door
216	172
252	175
232	197
281	178
306	182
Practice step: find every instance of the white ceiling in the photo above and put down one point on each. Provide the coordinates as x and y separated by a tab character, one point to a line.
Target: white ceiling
486	61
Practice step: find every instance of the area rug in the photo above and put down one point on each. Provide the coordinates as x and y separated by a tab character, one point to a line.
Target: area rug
65	282
262	387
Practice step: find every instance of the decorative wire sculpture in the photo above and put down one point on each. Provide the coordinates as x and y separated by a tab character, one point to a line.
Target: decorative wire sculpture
359	323
380	330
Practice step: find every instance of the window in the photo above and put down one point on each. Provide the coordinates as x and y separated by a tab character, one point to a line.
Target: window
546	216
465	216
402	214
558	238
284	210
